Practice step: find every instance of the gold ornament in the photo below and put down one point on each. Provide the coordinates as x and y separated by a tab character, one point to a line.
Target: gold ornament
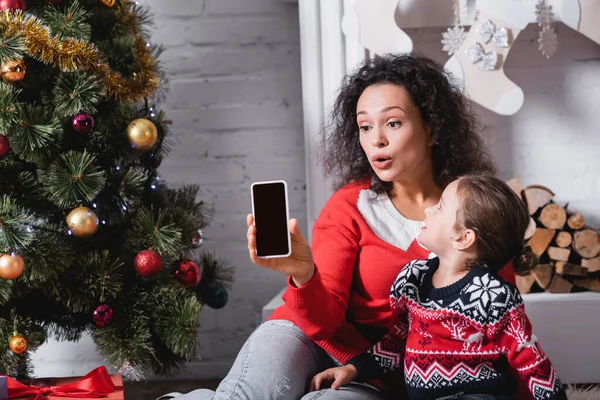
13	71
142	134
18	344
108	3
11	266
82	221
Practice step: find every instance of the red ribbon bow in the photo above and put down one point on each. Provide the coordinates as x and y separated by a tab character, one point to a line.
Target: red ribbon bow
95	384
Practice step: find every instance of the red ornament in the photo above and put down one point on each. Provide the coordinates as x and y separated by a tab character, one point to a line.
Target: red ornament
188	273
83	123
4	146
148	262
103	315
12	4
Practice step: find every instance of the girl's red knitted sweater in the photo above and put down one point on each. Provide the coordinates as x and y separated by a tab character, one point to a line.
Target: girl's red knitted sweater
360	243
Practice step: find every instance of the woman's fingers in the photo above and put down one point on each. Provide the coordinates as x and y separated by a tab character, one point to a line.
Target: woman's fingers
250	219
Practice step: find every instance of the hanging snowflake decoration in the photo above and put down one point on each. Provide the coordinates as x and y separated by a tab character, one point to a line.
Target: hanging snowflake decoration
548	41
544	13
453	38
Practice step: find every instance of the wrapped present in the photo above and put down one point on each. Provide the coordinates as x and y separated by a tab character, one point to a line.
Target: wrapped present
3	388
97	384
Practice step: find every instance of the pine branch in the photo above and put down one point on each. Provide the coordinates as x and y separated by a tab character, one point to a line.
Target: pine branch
73	178
132	186
15	225
9	107
36	137
76	92
68	23
129	339
12	46
214	272
5	291
94	271
176	321
11	323
46	259
150	230
185	212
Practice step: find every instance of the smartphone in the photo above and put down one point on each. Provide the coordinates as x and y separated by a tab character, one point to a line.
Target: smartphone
271	215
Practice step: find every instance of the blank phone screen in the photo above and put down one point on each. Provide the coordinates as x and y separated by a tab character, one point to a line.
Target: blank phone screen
270	218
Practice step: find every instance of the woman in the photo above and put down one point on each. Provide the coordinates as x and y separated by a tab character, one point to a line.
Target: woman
400	132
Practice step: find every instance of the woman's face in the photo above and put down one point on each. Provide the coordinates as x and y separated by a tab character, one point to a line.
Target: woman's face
392	134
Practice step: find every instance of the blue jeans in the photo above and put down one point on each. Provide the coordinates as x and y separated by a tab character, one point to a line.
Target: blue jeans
277	362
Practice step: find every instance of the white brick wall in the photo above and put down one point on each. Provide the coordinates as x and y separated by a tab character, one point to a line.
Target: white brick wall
235	82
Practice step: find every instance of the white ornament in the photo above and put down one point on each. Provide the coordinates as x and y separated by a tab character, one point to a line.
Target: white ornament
485	61
488	32
453	38
548	41
544	13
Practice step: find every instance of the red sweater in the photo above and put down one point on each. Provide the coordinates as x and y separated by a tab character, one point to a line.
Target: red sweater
360	244
459	338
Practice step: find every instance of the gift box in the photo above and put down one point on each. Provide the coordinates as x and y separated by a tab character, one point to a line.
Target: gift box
3	389
98	384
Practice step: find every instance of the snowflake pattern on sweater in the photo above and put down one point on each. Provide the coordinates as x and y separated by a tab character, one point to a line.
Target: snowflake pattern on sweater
459	338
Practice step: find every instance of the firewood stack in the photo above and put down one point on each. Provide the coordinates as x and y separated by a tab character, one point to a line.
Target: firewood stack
567	249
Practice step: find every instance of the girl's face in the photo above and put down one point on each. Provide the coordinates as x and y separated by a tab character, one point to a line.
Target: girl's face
438	233
392	134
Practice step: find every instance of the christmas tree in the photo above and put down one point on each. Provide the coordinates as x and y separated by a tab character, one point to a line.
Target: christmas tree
91	240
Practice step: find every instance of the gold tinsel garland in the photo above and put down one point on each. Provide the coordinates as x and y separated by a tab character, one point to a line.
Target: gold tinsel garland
71	55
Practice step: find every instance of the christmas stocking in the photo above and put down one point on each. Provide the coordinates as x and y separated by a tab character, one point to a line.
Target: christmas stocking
478	63
372	24
582	16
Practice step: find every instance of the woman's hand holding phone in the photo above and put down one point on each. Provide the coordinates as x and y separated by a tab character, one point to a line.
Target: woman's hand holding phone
299	264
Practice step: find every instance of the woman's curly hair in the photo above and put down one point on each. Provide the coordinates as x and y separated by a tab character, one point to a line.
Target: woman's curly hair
458	148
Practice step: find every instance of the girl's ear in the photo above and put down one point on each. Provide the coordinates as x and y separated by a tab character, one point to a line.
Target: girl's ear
464	239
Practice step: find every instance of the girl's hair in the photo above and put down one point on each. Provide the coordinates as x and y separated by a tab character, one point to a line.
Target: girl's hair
499	219
458	148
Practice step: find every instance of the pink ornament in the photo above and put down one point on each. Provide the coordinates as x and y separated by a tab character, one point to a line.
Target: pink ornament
12	4
4	146
83	123
103	315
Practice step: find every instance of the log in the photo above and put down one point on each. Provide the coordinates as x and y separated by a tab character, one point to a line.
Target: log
543	274
563	239
590	284
524	283
530	229
537	196
576	221
515	185
592	265
540	240
559	285
565	268
558	253
553	216
586	243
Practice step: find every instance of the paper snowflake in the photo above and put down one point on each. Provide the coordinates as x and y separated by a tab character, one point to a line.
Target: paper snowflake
548	41
543	12
453	38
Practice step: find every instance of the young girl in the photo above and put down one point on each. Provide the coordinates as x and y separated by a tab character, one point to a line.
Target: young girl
458	326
